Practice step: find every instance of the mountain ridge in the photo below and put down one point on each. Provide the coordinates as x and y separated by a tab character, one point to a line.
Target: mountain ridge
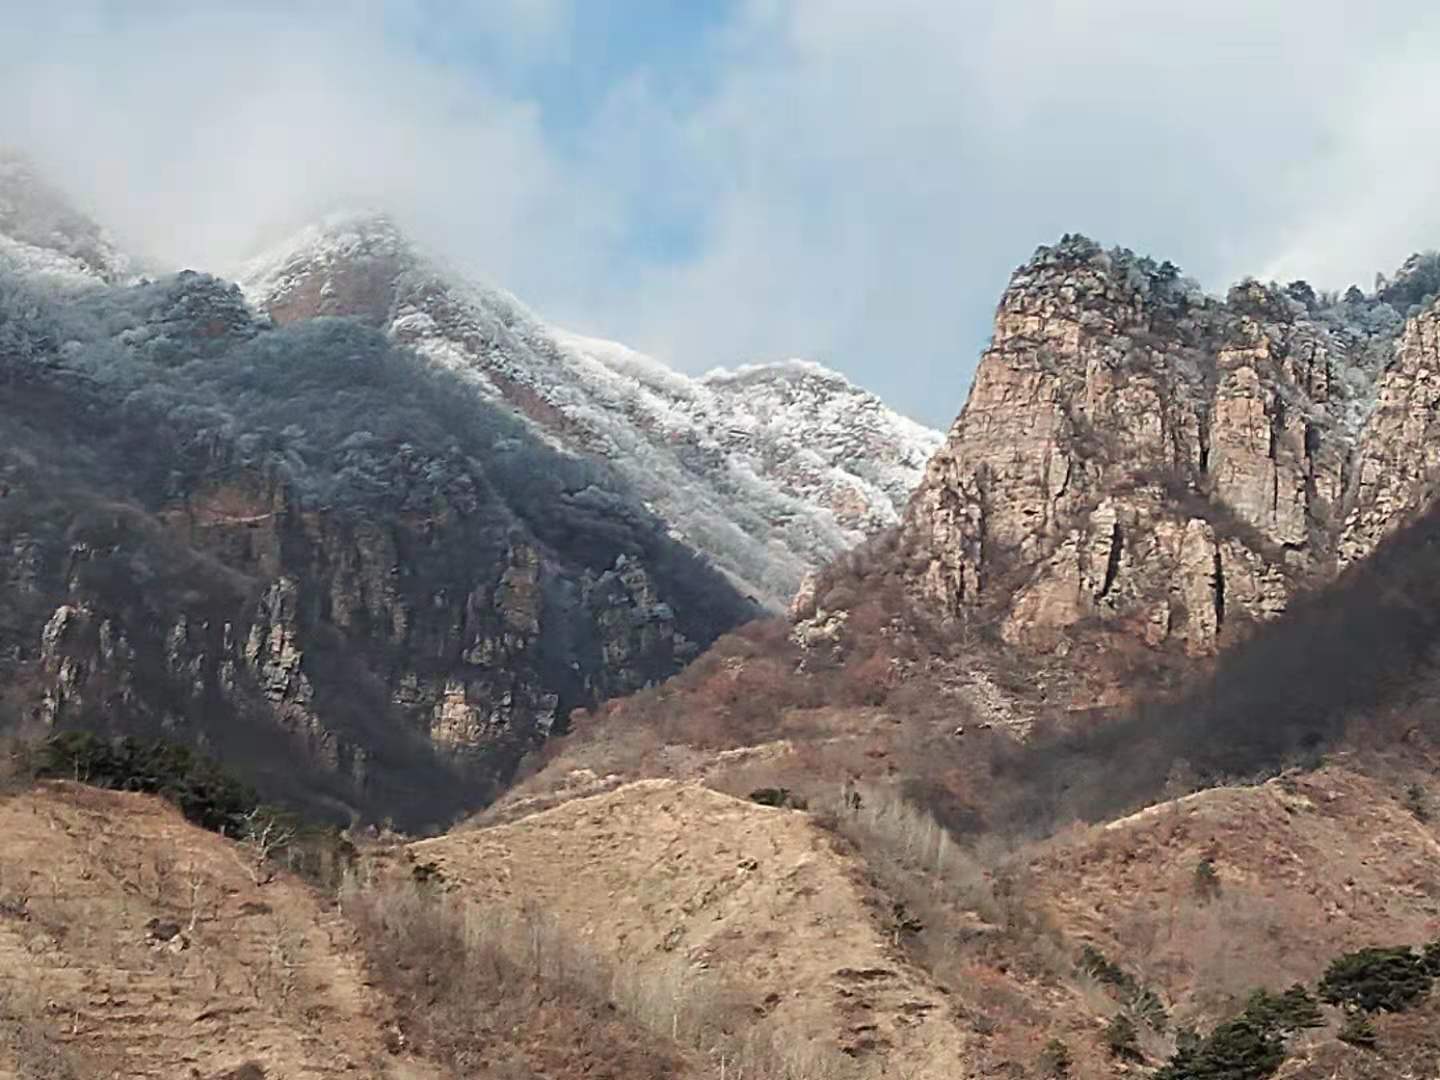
42	234
769	485
404	565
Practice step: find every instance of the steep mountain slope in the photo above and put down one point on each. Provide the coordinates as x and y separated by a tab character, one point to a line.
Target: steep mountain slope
1141	477
310	550
771	470
1171	543
375	559
135	944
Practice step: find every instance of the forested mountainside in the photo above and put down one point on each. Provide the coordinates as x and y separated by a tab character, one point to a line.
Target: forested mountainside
306	548
771	469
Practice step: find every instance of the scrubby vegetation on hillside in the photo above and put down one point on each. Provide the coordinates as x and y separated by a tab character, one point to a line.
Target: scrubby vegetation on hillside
202	790
496	997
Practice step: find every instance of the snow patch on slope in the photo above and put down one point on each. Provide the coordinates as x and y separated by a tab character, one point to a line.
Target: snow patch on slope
43	236
770	469
52	267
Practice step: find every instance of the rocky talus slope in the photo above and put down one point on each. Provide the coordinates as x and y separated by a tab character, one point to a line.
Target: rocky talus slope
771	470
1138	456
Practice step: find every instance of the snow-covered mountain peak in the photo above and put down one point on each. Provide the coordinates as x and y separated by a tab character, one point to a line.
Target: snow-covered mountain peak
831	414
331	267
361	264
333	239
770	469
795	369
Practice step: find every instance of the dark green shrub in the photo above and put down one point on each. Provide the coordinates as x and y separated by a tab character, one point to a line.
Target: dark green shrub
205	795
779	797
1249	1047
1137	998
1286	1013
1120	1036
1187	1038
1238	1049
1094	963
1146	1004
1377	980
1358	1031
1430	958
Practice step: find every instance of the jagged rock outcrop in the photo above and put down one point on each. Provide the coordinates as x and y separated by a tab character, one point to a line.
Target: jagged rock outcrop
1397	462
771	470
1137	455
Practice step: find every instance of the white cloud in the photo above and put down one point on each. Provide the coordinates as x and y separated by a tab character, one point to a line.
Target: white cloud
877	170
858	178
192	133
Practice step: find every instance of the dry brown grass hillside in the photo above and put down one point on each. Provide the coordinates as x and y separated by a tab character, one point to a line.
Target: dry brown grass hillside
716	906
133	944
746	931
1273	810
1213	894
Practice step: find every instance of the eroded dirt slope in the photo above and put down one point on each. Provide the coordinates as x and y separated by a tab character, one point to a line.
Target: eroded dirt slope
133	944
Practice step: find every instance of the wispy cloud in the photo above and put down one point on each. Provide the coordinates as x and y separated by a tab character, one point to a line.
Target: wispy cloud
840	179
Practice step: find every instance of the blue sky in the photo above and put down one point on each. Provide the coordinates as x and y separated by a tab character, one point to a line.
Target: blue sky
724	181
578	52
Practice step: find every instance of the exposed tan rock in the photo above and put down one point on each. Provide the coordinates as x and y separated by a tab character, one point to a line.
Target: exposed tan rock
1398	459
1136	453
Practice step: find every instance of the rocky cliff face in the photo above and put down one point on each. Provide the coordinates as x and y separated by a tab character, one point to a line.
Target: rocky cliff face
1139	457
771	470
309	550
1397	461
